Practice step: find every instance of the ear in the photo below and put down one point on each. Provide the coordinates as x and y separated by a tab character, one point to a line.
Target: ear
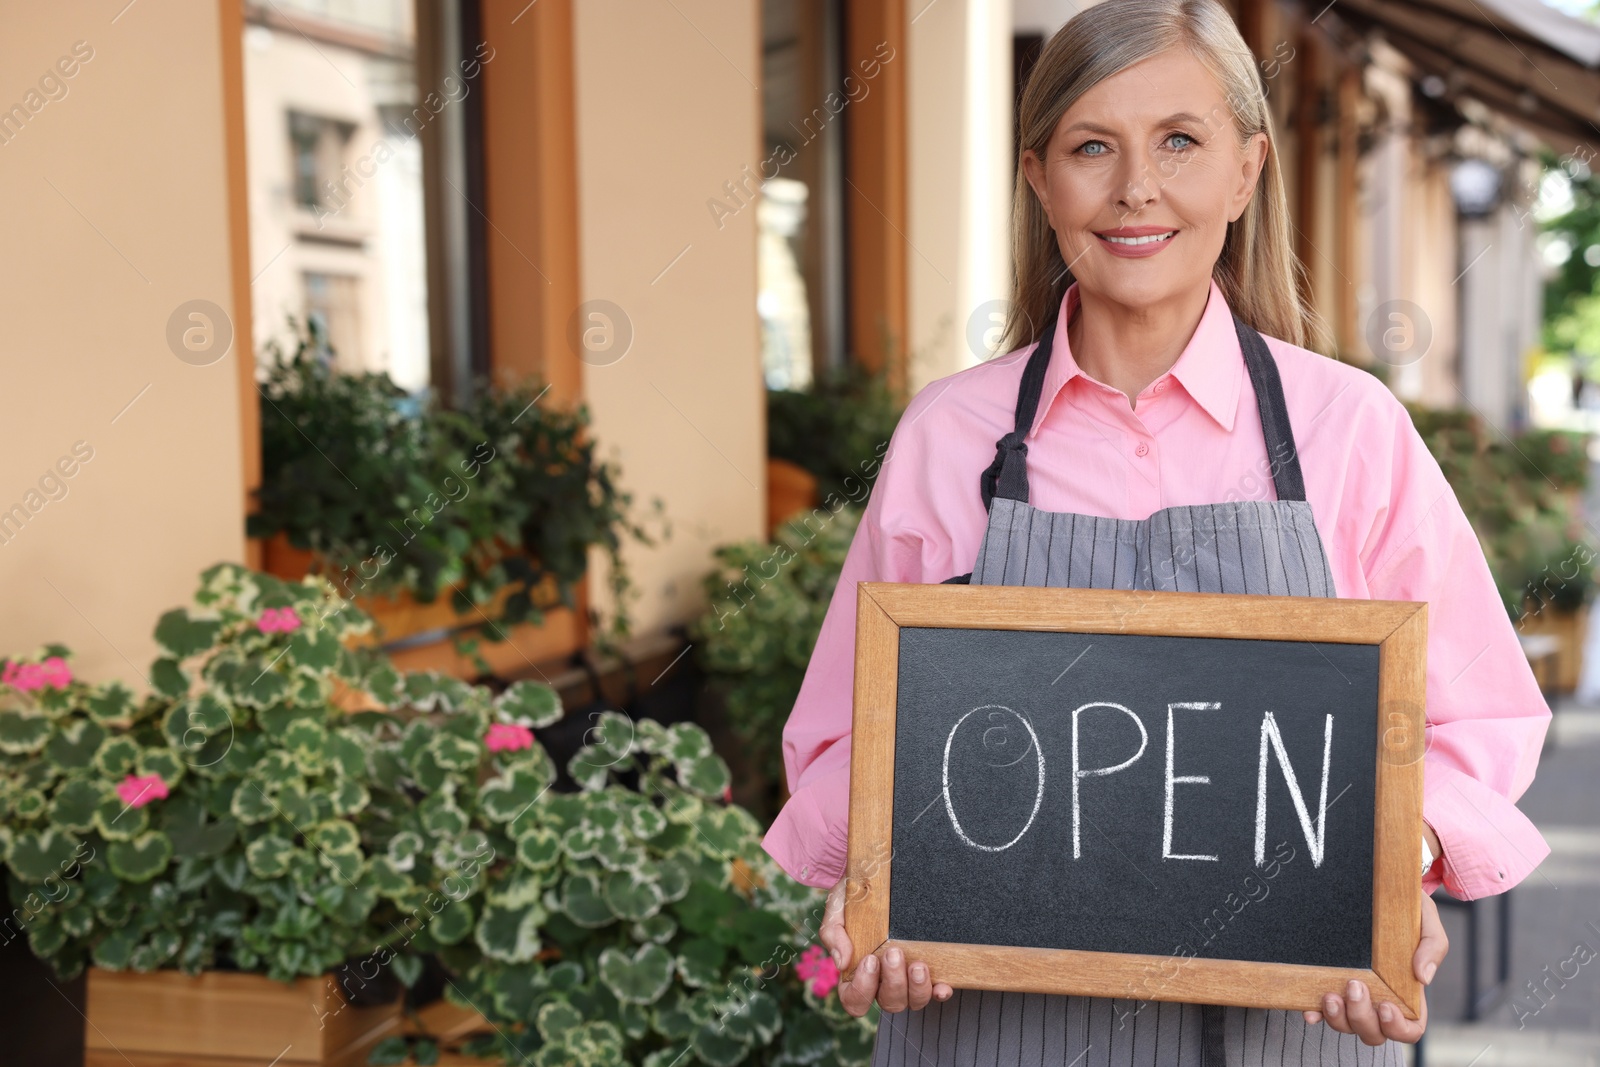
1033	170
1252	157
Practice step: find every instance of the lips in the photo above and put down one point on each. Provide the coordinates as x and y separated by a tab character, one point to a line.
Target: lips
1151	239
1136	241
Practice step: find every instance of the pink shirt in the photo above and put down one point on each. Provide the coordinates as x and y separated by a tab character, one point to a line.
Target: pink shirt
1390	524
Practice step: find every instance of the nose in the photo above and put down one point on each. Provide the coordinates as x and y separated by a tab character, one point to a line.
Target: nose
1137	185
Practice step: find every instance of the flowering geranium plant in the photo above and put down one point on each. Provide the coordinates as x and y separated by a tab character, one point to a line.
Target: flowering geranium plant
218	822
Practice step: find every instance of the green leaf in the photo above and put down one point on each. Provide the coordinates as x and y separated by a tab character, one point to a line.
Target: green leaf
513	792
307	743
441	817
582	903
639	979
538	849
72	808
112	703
391	1050
142	858
557	1017
117	757
35	856
658	928
531	704
251	804
510	935
453	923
757	1020
269	856
73	745
183	636
314	648
116	821
700	961
632	894
22	733
704	907
337	836
455	753
168	678
717	1048
707	775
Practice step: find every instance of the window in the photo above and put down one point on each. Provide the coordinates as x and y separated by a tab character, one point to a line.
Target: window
801	258
357	114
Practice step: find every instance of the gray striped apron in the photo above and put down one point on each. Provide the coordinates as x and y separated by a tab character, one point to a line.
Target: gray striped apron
1250	546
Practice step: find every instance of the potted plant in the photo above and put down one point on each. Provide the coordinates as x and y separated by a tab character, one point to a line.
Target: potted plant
827	442
207	849
433	518
766	603
626	919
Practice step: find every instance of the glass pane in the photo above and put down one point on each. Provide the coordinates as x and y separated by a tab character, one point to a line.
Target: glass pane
337	235
801	245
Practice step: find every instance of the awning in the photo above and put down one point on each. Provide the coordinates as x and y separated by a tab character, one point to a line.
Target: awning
1535	65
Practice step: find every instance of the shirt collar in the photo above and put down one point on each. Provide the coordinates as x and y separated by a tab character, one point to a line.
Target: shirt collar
1210	368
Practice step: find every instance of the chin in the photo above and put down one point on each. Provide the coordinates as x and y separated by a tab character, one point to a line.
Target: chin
1129	289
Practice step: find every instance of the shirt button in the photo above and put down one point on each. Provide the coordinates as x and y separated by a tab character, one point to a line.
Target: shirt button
1142	450
1161	385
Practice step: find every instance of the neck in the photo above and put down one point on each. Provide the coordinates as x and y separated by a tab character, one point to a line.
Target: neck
1128	347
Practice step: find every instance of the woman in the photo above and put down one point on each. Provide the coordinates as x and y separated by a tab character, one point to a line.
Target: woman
1142	434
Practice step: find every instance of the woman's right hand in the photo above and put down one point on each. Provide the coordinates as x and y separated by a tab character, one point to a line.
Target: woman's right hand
893	983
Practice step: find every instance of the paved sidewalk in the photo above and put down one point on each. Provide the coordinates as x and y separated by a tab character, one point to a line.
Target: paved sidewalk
1552	912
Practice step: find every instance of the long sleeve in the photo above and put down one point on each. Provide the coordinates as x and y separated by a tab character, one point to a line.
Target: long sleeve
1486	716
903	537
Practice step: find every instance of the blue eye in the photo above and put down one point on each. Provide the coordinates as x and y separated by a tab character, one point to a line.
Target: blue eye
1189	142
1088	148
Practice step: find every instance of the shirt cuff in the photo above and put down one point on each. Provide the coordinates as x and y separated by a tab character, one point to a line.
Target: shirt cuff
804	843
1488	845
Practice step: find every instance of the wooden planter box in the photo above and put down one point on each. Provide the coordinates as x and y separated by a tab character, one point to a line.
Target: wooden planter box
401	616
217	1019
1568	628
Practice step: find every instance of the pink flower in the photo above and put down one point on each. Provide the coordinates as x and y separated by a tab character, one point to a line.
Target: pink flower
727	792
29	677
817	967
136	791
508	737
278	620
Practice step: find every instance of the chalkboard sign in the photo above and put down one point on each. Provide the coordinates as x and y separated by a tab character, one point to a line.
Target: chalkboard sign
1207	798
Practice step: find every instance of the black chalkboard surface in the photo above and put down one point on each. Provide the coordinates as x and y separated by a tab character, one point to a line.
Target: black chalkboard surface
1175	796
987	794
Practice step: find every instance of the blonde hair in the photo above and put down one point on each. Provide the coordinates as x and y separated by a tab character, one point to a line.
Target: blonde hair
1258	273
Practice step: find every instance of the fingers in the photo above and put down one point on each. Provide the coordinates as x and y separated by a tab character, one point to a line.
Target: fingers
1355	1013
832	933
1433	947
1396	1027
859	992
919	985
892	986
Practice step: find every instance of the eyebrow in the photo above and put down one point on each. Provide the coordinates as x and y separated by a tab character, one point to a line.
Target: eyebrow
1093	127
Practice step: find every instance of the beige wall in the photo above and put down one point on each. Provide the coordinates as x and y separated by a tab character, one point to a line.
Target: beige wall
668	110
959	141
113	206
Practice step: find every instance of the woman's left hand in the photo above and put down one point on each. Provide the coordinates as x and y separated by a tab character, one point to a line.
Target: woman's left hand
1354	1012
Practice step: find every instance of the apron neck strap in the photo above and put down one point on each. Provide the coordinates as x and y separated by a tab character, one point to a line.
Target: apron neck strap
1275	430
1007	475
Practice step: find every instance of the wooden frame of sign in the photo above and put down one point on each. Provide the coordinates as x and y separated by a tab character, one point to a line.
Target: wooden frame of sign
1398	628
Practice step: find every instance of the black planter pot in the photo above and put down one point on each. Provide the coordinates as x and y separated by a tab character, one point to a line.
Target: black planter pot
41	1016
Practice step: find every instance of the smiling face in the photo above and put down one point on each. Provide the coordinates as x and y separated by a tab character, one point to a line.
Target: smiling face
1141	178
